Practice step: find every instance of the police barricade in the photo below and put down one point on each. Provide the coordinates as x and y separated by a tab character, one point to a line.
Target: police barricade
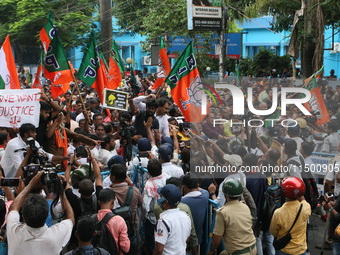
321	167
209	226
138	176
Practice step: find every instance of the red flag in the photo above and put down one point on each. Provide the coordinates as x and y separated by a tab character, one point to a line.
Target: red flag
164	67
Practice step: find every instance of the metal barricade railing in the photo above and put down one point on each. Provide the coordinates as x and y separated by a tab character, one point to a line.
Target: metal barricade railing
323	154
138	176
210	222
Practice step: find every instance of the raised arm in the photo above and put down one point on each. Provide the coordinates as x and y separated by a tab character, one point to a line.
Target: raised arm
20	199
55	106
149	132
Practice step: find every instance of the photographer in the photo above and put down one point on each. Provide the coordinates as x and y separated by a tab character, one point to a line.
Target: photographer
34	235
86	189
16	148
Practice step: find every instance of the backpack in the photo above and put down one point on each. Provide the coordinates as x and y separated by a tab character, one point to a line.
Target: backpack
311	193
104	238
274	195
126	213
272	200
85	210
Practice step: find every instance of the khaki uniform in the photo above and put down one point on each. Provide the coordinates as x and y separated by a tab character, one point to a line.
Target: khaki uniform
234	223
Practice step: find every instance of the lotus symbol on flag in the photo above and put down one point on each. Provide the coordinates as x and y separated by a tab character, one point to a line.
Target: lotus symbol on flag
57	76
313	104
195	92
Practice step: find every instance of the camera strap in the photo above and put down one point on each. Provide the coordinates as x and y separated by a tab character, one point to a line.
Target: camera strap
22	149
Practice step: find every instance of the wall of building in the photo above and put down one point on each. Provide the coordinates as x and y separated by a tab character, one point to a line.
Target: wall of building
256	34
129	46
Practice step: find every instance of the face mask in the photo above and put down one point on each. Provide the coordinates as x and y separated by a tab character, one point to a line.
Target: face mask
160	201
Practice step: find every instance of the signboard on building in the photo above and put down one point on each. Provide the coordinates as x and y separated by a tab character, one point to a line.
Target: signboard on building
234	46
204	15
178	45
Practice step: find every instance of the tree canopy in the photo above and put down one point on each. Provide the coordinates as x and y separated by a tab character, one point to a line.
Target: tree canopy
23	20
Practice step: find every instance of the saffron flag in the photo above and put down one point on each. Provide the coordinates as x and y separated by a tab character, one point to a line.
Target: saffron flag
56	68
37	80
103	69
47	33
90	70
316	105
164	67
116	67
186	86
59	89
8	72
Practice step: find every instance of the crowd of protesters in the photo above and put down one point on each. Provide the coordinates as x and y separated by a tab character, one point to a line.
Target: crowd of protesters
80	139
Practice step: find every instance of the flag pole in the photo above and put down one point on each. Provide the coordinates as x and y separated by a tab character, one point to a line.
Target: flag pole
69	102
81	99
160	89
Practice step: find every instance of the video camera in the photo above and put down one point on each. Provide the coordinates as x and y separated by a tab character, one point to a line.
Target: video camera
36	157
82	151
49	179
127	131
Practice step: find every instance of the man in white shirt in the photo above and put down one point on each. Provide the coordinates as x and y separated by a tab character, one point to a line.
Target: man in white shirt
162	117
235	161
14	152
139	102
174	226
165	155
107	149
34	236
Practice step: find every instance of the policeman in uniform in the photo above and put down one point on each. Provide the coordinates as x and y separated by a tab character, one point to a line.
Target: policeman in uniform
234	223
174	226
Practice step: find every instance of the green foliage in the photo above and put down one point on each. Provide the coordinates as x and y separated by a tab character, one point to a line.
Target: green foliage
246	66
266	60
23	20
156	18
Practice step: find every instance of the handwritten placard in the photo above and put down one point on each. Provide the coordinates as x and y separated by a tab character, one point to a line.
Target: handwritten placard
18	107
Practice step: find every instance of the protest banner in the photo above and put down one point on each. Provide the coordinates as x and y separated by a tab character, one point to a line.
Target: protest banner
114	99
18	107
